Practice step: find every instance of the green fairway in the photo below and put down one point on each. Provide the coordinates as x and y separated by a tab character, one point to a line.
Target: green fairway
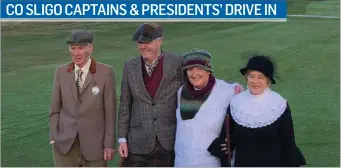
307	51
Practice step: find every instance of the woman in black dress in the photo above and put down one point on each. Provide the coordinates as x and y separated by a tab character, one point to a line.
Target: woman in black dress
261	131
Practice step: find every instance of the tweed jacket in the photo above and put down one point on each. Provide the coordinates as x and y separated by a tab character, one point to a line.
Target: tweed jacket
91	116
142	117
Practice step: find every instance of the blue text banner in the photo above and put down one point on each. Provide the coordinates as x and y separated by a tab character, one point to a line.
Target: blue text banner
135	10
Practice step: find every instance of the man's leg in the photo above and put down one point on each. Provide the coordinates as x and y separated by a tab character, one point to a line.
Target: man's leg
94	163
134	160
160	157
71	159
167	159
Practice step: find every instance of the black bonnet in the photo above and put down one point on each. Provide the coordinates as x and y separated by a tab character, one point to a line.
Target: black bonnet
262	64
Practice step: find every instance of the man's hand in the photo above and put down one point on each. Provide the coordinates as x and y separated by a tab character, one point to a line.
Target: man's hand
123	149
108	153
238	88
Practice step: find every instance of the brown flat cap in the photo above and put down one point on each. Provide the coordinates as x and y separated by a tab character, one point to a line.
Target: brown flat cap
148	32
80	37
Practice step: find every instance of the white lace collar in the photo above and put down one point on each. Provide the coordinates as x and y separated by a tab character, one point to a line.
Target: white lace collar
254	111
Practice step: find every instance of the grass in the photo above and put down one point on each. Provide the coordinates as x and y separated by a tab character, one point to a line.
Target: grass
306	50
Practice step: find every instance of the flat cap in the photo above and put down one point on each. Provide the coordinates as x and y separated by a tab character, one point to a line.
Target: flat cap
80	37
148	32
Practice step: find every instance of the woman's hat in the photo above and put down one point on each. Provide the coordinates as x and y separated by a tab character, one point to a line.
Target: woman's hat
262	64
197	58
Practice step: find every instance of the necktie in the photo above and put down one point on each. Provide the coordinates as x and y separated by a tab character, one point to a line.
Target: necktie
79	81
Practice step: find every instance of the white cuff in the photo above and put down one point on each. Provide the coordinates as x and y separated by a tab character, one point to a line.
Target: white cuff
122	140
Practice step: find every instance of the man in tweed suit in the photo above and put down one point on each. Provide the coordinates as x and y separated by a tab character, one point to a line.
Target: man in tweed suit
147	120
83	108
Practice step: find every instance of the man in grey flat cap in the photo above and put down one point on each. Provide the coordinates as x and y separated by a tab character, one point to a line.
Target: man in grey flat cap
148	101
147	117
83	109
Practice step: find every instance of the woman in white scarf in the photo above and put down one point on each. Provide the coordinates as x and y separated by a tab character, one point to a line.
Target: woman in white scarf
261	127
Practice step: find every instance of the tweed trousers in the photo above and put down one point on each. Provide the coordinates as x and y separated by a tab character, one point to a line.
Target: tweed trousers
158	158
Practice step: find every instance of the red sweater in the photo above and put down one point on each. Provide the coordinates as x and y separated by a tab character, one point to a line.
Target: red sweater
152	83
